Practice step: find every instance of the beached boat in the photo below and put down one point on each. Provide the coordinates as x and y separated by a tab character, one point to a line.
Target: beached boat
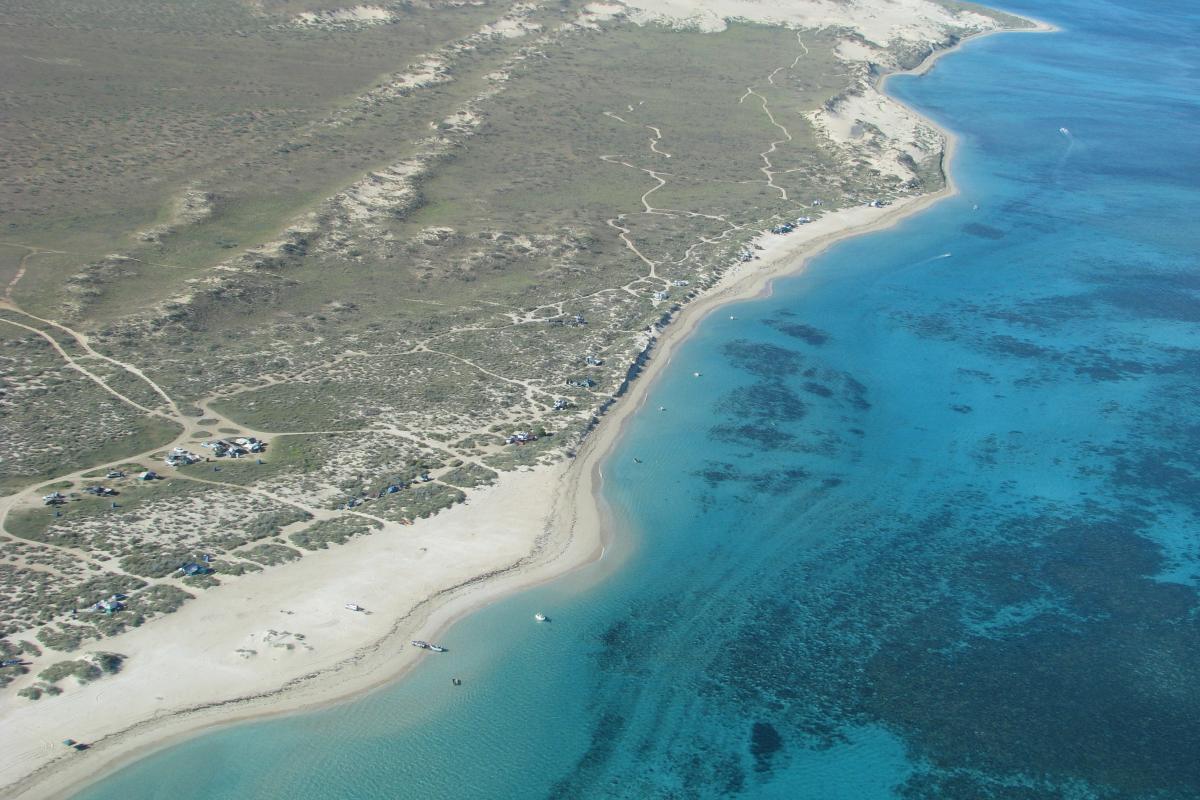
354	606
437	648
420	644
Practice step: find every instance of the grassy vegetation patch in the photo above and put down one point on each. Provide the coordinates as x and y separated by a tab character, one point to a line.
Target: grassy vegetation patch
53	419
82	671
469	476
270	554
323	533
422	500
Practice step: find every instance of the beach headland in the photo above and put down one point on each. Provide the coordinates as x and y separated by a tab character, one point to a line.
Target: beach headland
542	524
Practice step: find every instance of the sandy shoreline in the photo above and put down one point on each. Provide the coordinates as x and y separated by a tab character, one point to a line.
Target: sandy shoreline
564	504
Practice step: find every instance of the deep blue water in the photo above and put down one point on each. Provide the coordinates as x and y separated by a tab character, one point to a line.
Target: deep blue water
926	527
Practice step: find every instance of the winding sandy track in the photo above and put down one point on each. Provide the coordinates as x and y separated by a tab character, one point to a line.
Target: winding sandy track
82	340
70	361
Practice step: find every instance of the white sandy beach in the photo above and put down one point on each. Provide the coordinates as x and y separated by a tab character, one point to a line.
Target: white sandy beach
185	673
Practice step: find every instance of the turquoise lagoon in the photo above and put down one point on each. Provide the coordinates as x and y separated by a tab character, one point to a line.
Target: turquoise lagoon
926	527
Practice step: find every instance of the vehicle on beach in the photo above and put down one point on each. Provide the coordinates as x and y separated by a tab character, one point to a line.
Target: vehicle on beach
436	648
354	607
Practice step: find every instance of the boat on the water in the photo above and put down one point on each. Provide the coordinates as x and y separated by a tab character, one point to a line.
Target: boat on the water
437	648
540	617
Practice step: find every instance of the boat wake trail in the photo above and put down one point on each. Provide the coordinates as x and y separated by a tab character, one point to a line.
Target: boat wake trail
1062	160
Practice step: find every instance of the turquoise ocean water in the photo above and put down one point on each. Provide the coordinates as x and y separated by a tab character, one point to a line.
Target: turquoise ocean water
926	527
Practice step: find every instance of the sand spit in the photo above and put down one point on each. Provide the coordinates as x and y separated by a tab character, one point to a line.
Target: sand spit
412	581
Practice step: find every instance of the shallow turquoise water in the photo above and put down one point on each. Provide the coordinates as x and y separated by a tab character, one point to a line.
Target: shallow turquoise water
927	526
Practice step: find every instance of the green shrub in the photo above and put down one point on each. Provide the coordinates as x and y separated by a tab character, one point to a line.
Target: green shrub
82	671
64	636
9	674
157	564
270	554
109	663
320	535
469	476
201	581
160	599
234	567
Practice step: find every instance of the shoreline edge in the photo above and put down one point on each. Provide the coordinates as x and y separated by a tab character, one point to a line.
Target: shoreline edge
577	529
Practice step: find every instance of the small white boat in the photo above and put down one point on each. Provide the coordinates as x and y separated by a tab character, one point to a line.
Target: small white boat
695	374
540	617
354	606
437	648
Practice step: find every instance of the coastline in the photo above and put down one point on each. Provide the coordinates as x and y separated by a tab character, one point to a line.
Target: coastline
574	520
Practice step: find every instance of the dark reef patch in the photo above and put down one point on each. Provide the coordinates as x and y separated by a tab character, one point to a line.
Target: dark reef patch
1099	365
778	482
765	742
763	360
773	482
1152	300
765	401
855	393
973	786
765	438
1044	313
983	231
1108	693
716	473
798	330
1004	345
